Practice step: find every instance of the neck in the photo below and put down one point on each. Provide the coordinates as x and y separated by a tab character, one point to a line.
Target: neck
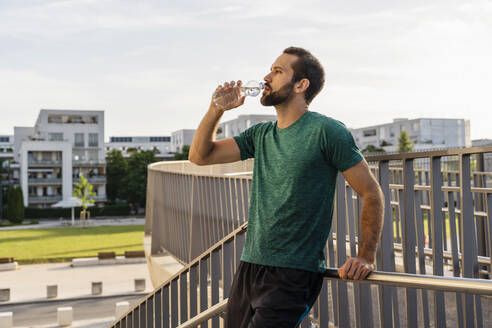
290	111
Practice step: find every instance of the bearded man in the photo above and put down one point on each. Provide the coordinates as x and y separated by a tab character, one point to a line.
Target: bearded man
297	159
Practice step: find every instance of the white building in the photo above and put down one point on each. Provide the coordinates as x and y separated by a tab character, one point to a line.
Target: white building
426	133
6	147
62	144
160	144
234	127
180	138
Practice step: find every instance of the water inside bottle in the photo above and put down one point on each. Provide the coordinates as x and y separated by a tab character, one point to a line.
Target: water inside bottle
252	88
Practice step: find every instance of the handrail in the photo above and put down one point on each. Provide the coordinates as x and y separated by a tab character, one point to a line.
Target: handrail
472	286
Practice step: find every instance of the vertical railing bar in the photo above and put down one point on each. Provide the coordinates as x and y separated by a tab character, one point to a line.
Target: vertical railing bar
454	254
489	217
136	317
343	304
409	238
203	287
193	291
158	309
437	236
469	263
332	263
421	255
227	267
174	303
385	250
151	318
183	296
165	307
215	276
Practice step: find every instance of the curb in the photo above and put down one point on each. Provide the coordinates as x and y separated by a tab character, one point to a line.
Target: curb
80	298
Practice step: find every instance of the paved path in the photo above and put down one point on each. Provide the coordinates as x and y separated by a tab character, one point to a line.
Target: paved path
45	224
98	312
28	283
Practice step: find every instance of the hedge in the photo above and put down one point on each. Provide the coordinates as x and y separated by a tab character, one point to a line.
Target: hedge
110	210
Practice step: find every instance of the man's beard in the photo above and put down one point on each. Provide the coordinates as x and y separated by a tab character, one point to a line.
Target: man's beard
278	97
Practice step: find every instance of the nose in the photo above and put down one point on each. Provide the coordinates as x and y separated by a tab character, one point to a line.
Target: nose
268	78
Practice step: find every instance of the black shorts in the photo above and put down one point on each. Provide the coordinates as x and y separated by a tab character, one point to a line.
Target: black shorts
265	296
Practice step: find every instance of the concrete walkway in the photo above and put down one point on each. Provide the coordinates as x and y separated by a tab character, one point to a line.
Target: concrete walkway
28	283
109	221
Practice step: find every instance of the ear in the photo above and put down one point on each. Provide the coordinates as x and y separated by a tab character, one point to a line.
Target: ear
302	85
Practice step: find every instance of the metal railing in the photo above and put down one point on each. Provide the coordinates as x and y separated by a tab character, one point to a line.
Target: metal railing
197	294
191	208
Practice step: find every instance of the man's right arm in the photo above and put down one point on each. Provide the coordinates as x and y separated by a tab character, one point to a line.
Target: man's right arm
204	149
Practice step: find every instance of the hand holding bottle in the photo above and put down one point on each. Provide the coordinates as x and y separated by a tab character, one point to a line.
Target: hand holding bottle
232	95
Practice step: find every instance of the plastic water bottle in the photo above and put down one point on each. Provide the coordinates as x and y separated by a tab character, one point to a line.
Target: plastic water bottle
250	88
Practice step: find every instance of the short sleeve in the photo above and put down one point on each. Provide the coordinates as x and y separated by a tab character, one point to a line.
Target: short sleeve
246	144
340	148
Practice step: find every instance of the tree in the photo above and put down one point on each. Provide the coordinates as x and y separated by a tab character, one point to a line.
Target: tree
15	205
116	171
136	179
183	155
372	149
404	142
20	209
83	191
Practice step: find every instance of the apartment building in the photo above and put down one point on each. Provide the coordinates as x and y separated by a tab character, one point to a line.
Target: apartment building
426	133
6	147
180	138
51	155
161	145
234	127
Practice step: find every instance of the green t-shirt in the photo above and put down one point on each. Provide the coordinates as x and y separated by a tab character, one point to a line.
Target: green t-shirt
293	188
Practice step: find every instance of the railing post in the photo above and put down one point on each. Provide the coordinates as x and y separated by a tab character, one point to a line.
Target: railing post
409	243
386	260
437	233
343	320
469	262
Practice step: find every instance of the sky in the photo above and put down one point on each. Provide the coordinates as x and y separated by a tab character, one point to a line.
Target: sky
152	66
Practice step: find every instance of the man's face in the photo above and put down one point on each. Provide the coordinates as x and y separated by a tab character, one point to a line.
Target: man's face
279	86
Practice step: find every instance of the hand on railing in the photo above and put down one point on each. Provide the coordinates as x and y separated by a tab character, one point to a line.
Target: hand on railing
356	268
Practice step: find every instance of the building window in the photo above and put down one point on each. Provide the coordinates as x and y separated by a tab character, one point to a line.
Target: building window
369	133
79	140
4	139
94	119
55	119
55	136
93	140
160	139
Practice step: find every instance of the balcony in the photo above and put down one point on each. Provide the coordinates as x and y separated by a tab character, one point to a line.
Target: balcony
434	259
96	179
88	163
44	181
44	199
44	163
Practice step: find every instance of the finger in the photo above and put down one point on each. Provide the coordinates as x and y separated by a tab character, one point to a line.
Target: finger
359	273
344	270
353	269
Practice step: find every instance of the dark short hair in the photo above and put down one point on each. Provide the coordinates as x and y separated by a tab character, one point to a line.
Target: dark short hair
307	67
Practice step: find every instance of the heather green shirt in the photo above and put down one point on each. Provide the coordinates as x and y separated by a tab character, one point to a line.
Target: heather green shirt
293	188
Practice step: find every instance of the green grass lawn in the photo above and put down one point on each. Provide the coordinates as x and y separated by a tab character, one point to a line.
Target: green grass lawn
63	244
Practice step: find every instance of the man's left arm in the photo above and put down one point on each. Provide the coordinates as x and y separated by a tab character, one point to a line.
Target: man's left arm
364	183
